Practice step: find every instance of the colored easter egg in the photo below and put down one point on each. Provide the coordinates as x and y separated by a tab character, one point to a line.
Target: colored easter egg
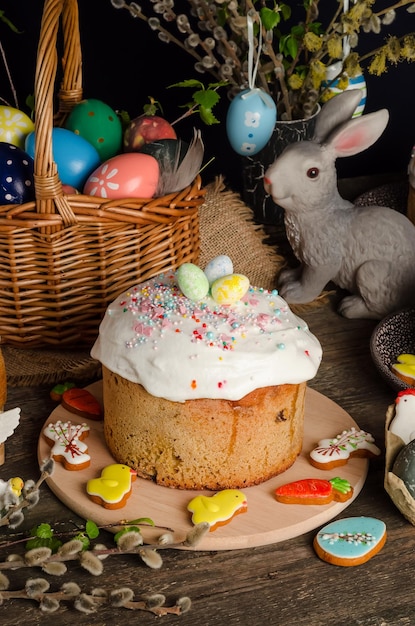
16	175
404	466
192	281
74	156
229	289
342	83
250	121
99	124
14	126
131	175
219	266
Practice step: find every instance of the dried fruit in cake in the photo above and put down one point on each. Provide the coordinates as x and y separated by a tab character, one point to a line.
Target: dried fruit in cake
113	488
219	509
404	368
314	491
350	541
67	444
336	451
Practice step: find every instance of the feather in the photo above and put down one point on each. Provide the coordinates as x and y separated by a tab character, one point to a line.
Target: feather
178	174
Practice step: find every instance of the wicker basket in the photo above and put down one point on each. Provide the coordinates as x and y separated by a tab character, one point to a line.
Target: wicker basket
64	258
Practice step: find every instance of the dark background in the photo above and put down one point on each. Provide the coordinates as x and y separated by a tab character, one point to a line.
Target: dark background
124	63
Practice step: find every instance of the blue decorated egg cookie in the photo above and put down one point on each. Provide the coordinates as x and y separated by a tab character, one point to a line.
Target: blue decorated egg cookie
350	541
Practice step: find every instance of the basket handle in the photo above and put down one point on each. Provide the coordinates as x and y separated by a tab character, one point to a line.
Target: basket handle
48	187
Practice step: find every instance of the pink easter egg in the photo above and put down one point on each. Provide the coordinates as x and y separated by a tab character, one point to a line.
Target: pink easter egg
131	175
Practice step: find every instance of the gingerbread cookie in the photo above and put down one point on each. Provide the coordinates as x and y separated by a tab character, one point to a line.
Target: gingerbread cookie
113	488
314	491
67	444
82	403
219	509
331	453
350	541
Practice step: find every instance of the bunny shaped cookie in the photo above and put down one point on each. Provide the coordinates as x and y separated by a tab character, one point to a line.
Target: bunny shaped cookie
368	251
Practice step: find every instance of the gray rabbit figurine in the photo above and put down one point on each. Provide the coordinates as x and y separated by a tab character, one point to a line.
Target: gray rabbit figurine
368	251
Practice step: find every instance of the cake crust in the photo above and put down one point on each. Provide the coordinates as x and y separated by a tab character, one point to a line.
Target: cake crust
204	443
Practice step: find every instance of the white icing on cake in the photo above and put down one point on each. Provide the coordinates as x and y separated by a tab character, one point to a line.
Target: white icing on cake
180	350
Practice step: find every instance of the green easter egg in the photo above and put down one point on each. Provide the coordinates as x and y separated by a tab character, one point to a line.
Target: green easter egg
99	124
192	281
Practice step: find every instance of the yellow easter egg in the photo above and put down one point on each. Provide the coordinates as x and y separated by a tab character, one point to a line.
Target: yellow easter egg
14	126
229	289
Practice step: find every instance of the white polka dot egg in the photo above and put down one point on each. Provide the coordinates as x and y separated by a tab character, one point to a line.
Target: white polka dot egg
16	175
229	289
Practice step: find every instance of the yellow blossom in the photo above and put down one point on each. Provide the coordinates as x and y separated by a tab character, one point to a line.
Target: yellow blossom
393	50
295	82
312	42
343	82
317	73
351	65
408	48
378	65
335	47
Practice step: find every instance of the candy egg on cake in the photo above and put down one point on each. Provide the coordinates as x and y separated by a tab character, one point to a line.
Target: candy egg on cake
200	394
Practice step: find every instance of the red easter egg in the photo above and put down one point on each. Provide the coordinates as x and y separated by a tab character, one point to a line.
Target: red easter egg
131	175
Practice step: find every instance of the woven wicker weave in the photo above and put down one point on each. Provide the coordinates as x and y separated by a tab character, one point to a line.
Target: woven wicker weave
64	258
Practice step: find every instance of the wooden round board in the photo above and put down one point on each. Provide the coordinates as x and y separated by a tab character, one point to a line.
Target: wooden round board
266	520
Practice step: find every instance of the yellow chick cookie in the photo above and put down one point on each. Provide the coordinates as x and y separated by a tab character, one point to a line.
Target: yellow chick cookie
219	509
113	488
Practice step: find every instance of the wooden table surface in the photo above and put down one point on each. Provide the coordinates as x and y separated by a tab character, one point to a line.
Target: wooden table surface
279	584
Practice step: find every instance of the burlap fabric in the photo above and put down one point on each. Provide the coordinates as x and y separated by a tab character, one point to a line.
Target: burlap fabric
226	227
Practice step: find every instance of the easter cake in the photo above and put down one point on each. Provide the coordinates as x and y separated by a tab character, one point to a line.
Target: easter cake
204	379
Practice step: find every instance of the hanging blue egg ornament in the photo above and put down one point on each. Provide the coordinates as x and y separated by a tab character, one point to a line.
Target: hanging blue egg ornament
250	121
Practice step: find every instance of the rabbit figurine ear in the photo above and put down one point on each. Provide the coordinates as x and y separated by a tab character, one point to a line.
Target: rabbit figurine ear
358	134
334	112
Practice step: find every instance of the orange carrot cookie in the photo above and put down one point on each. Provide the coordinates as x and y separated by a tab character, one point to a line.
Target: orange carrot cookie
331	453
350	541
113	488
219	509
67	444
404	368
81	402
314	491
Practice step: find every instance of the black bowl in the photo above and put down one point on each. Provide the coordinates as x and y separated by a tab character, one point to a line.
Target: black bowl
393	336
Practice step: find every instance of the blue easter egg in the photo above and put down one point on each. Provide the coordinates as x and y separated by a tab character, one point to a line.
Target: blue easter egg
16	175
219	266
74	156
192	281
250	121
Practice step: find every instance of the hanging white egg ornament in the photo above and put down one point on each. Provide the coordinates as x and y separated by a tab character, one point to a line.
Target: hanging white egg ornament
250	121
335	80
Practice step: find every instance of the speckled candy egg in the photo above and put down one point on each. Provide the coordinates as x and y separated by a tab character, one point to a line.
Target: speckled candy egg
229	289
250	121
14	126
99	124
74	156
404	466
219	266
192	281
131	175
16	175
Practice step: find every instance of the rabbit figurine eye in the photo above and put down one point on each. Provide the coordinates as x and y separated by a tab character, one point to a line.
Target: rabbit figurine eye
313	172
